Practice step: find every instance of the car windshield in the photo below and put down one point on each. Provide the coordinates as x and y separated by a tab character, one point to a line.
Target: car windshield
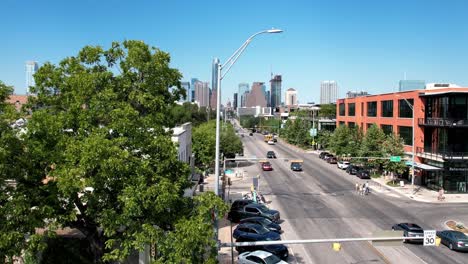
263	208
262	230
265	221
459	235
266	164
272	259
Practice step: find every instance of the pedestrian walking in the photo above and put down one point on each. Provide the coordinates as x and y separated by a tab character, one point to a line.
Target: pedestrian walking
366	187
360	189
357	188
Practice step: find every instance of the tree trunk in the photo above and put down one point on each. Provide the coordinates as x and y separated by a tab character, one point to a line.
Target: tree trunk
96	245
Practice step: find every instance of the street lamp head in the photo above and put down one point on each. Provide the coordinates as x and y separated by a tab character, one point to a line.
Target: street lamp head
274	30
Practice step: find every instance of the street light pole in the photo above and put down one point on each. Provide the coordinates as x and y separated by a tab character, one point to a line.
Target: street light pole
229	63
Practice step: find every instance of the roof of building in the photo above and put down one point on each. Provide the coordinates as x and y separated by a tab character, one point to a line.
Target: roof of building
291	89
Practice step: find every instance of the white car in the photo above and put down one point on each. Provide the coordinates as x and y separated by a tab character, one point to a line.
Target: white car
259	256
271	142
342	164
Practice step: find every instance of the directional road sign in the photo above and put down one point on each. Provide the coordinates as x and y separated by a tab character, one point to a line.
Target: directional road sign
395	158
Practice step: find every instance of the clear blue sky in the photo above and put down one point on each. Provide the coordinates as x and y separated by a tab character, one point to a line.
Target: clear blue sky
363	45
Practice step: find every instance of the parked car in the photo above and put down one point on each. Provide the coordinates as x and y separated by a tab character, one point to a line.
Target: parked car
271	142
410	230
240	203
264	222
352	169
255	231
363	173
342	164
322	154
251	210
275	139
332	160
250	134
259	256
271	154
455	240
328	156
296	165
280	250
266	166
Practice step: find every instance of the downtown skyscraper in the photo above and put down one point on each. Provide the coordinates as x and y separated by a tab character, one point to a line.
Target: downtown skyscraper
202	93
328	92
31	69
244	89
275	91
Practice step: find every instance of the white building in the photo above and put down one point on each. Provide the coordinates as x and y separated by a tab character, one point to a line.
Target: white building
328	92
291	97
31	69
182	136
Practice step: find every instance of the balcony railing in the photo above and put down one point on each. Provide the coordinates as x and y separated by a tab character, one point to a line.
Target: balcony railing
443	122
434	154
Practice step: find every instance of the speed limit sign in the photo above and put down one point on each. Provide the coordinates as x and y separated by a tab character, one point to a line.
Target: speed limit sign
429	237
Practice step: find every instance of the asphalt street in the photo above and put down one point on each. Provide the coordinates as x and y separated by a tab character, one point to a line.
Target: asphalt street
320	202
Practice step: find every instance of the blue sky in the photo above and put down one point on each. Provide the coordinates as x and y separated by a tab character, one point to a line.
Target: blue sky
363	45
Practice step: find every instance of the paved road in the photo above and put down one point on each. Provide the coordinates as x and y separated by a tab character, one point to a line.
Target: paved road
321	203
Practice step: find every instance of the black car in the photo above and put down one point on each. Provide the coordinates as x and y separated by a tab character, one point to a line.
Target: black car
250	134
250	210
352	169
240	203
256	232
455	240
363	173
270	225
410	230
296	165
271	154
280	250
327	157
322	154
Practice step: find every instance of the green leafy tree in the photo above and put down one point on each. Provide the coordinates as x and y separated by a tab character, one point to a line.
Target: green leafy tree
97	155
324	138
372	145
345	141
249	121
297	132
327	111
190	112
394	146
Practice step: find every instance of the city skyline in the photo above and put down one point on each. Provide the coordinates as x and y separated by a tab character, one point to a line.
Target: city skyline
359	47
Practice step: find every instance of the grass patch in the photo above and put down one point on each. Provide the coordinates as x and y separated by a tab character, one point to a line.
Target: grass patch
393	183
456	226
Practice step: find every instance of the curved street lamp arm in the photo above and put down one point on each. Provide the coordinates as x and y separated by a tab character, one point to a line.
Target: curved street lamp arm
241	48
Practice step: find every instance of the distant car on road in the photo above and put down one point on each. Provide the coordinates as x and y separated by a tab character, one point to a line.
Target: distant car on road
251	210
271	142
255	231
332	160
271	154
266	166
410	230
352	169
296	165
259	256
455	240
270	225
363	173
322	154
342	164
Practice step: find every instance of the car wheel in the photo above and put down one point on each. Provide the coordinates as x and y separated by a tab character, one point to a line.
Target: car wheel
451	246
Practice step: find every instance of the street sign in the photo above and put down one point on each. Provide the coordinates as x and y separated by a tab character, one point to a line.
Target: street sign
395	158
429	237
313	132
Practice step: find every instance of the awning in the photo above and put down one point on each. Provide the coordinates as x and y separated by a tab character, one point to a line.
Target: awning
423	166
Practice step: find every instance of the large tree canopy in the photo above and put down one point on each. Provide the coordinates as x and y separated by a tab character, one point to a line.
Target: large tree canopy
98	156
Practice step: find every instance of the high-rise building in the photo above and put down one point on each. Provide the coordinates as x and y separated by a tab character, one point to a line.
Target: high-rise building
202	93
275	91
328	92
256	97
186	87
234	101
213	99
291	97
192	92
243	88
410	85
31	69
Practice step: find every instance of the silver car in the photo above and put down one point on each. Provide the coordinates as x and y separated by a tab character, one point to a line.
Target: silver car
259	256
342	164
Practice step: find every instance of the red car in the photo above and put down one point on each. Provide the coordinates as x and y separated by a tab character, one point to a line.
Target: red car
266	166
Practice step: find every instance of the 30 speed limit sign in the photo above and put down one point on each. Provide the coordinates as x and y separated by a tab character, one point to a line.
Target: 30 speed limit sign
429	237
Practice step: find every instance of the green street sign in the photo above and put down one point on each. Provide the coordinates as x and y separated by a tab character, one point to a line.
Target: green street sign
395	158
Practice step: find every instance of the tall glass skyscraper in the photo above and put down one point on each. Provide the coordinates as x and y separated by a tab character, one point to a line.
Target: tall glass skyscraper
410	85
243	89
31	69
328	92
275	91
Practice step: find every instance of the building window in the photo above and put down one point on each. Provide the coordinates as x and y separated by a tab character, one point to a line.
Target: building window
387	108
351	124
369	125
342	123
404	110
372	109
351	109
406	133
387	129
362	109
342	109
